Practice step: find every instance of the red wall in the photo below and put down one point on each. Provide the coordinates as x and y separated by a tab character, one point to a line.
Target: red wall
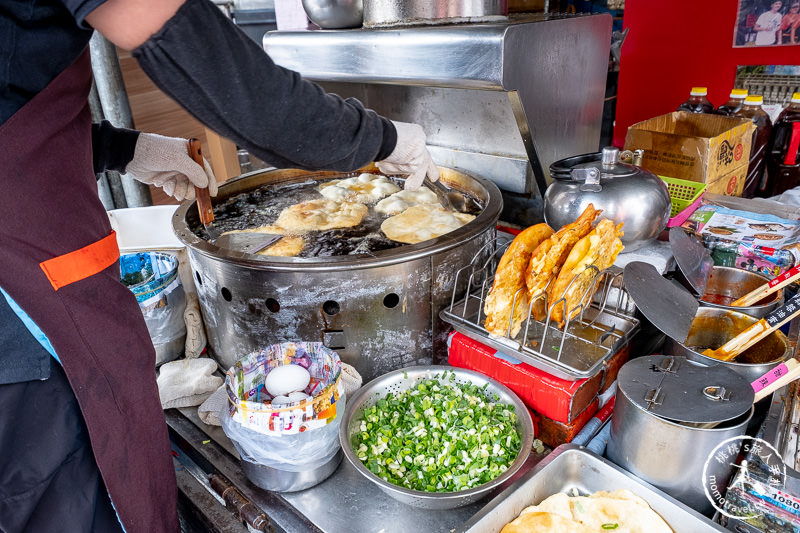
674	45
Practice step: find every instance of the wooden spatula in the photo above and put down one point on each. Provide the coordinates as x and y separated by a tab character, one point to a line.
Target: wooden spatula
776	284
757	331
240	242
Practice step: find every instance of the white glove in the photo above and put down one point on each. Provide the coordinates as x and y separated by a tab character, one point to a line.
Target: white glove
165	162
410	157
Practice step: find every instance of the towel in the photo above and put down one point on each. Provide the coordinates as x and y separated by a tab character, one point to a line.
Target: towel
209	410
187	382
195	334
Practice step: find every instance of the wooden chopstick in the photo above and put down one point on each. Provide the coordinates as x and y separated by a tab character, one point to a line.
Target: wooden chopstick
765	290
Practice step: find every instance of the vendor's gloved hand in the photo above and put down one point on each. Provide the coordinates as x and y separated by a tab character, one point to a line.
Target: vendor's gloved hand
410	157
165	162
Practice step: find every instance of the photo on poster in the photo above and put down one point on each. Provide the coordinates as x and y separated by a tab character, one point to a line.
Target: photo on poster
767	23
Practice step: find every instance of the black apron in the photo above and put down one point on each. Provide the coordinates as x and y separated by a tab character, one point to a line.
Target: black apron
58	262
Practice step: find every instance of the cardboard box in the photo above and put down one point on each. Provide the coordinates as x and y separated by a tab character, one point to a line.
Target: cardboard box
554	433
557	399
711	149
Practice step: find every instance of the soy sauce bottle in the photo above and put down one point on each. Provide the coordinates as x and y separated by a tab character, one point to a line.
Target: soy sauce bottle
783	161
758	147
697	101
734	104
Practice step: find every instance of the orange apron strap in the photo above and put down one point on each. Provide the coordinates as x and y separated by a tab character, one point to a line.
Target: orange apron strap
82	263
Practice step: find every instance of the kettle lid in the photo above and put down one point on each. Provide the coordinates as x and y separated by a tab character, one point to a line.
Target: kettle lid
606	162
676	389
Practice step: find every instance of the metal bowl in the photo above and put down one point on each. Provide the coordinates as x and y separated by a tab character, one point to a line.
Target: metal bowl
713	327
335	14
404	379
726	284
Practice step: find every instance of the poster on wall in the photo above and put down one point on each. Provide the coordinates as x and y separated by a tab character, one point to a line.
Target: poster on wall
767	23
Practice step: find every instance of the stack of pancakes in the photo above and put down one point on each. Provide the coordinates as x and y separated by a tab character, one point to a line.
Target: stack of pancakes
543	272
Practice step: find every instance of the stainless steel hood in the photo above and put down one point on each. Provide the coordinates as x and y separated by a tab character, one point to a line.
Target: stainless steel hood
501	100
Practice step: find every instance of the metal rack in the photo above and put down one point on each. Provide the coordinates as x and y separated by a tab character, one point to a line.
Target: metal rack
598	327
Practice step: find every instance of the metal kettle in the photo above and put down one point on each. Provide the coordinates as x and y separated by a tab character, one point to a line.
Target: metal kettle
626	193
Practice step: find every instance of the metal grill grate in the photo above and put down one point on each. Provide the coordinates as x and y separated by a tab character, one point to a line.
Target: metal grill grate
592	333
775	88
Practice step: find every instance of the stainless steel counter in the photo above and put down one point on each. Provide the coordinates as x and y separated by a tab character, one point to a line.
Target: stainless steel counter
346	502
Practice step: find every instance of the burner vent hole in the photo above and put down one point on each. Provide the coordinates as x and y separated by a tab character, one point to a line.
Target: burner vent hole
331	308
226	293
391	300
198	278
273	305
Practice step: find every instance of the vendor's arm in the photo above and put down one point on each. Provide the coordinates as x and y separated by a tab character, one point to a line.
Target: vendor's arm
199	58
112	148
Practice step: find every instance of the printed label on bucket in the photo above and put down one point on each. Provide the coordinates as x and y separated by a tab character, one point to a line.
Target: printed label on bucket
754	490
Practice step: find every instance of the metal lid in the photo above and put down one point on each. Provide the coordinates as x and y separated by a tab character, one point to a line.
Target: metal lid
681	391
606	162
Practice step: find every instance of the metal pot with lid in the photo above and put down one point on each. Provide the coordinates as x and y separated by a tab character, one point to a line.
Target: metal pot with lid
626	193
670	415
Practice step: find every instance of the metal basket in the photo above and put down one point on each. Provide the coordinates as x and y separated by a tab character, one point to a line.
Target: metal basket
404	379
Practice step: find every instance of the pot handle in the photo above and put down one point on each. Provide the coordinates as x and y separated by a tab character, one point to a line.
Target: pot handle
590	177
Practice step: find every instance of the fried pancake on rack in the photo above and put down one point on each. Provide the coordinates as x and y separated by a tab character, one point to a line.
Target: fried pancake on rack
549	257
599	248
509	281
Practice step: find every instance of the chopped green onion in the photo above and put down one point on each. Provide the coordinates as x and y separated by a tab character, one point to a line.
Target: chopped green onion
438	436
610	525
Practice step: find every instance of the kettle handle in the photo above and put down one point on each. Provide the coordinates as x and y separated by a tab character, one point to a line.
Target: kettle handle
590	178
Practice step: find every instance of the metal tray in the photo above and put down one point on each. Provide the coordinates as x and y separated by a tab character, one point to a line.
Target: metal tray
587	345
571	467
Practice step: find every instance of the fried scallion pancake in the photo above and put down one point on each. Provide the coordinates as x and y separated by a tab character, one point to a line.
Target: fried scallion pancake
575	283
287	246
620	511
320	215
402	200
423	222
509	283
365	188
548	258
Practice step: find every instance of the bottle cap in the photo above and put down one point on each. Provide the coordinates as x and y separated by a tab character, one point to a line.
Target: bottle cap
738	93
796	98
699	91
754	99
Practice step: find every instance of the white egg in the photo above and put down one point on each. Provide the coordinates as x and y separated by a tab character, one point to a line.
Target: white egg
285	379
280	400
298	396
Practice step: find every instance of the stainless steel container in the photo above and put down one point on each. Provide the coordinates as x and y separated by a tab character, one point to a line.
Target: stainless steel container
379	311
571	468
726	284
660	433
379	13
405	379
713	327
626	193
269	478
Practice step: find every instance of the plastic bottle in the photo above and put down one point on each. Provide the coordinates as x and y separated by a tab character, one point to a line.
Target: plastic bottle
697	102
784	152
734	104
758	147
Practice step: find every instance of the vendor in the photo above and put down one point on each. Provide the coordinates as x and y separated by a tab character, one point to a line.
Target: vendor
85	446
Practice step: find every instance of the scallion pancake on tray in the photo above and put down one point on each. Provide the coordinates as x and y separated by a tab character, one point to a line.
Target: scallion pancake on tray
620	511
